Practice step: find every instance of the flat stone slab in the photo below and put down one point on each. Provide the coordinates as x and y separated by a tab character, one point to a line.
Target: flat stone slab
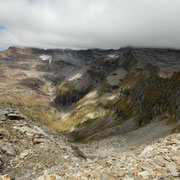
15	117
9	149
29	131
3	112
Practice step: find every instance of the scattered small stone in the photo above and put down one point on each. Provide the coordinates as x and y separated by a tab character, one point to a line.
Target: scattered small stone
65	157
146	150
8	148
173	170
1	164
144	174
106	176
106	165
29	131
3	112
159	162
5	177
24	154
170	143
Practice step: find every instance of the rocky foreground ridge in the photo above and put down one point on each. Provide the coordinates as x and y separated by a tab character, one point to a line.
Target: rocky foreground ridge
29	150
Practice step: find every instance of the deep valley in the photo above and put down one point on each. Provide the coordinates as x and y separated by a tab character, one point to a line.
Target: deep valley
105	103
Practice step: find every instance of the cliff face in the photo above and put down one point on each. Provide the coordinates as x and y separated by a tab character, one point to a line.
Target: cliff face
88	94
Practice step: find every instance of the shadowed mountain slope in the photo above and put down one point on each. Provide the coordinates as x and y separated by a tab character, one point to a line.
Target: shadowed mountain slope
91	94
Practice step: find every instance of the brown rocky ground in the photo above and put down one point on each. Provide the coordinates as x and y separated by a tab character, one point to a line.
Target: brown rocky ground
29	150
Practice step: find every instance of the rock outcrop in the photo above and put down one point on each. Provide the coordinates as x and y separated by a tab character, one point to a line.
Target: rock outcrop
28	148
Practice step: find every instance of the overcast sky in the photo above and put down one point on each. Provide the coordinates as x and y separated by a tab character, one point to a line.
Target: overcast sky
90	23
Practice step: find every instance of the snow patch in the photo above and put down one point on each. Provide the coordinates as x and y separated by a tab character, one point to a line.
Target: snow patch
77	76
45	57
112	97
90	115
106	98
92	94
64	115
112	56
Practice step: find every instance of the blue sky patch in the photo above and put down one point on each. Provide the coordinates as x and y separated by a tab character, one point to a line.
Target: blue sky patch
2	27
3	48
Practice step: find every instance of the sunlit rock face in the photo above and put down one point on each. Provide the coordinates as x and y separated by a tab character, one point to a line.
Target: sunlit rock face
88	93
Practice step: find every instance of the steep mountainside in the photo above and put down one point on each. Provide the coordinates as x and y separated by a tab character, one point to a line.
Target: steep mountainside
90	94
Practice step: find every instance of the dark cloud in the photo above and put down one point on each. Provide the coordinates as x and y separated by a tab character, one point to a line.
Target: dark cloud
90	23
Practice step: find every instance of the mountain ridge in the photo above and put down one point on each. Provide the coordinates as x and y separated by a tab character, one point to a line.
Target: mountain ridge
117	109
115	86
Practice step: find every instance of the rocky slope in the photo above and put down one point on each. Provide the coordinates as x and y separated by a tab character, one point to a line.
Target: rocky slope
119	101
31	151
27	149
91	94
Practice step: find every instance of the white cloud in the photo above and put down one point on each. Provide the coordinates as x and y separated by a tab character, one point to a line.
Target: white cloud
90	23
